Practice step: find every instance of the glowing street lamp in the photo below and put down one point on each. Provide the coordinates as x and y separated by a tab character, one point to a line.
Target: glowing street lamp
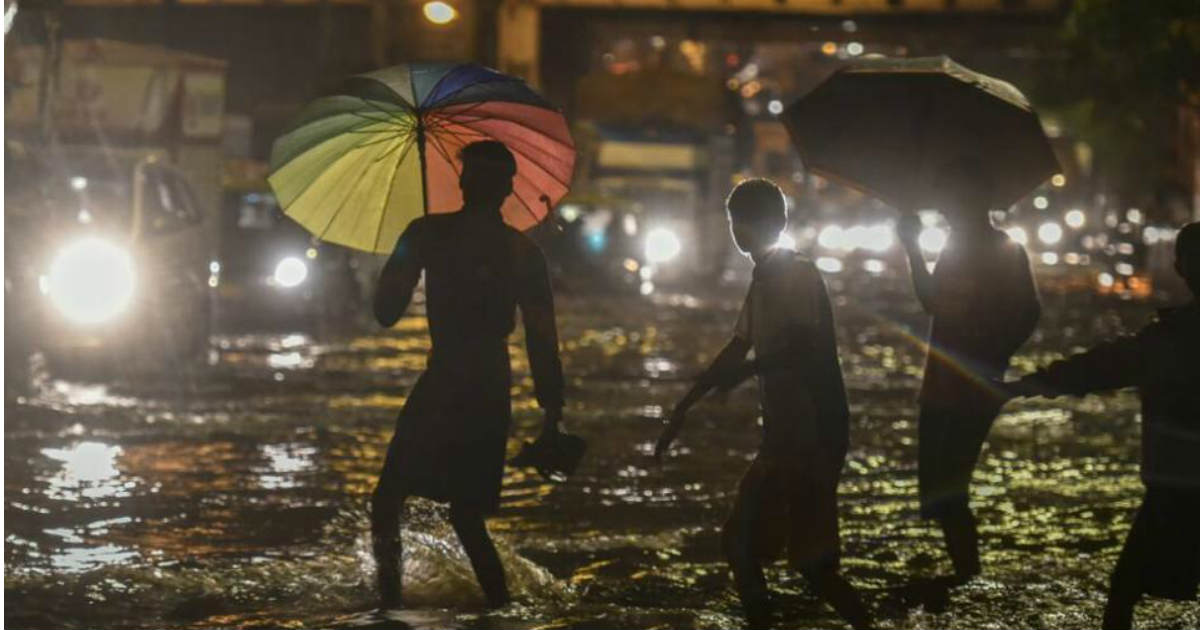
439	12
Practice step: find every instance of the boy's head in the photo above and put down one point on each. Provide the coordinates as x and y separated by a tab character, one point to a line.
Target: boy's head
963	192
1187	256
488	168
757	214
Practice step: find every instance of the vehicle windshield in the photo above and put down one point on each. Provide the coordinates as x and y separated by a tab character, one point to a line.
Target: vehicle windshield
90	192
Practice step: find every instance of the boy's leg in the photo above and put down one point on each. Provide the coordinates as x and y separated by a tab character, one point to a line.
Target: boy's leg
737	540
949	445
841	595
472	533
962	539
386	503
1125	586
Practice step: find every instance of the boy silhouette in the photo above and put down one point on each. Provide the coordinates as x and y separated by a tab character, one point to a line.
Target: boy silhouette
983	305
450	437
1161	555
788	497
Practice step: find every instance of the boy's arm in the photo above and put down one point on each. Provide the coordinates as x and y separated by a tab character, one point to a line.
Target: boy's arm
536	300
1110	365
399	277
731	359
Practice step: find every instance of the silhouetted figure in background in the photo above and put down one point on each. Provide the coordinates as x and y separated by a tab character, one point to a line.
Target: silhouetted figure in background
450	438
984	305
788	497
1161	556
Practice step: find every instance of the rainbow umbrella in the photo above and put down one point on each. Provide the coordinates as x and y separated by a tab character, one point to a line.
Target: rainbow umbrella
356	167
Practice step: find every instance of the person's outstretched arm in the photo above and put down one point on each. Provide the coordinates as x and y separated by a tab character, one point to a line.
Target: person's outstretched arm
728	366
1111	365
399	277
536	300
909	230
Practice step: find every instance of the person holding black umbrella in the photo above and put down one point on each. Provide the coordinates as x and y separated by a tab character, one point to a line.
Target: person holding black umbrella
984	305
932	133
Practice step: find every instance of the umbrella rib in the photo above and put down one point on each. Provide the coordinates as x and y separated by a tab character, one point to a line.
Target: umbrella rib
342	205
388	152
360	145
536	218
437	144
391	181
476	118
523	154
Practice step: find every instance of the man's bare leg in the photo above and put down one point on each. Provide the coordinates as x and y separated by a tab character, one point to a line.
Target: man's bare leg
841	595
386	503
472	533
737	542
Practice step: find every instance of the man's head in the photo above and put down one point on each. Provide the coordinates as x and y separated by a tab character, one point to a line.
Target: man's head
488	168
1187	256
757	214
962	190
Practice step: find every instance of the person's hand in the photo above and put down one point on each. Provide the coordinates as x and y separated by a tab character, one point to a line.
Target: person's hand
908	229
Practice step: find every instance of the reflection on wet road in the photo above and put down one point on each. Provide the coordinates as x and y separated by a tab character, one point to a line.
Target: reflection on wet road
236	496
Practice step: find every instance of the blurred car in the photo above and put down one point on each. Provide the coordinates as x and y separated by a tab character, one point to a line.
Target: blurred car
105	259
271	275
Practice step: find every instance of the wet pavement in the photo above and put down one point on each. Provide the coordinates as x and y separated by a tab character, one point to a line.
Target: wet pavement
235	495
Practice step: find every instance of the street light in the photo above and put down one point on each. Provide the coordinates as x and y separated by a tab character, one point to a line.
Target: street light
439	12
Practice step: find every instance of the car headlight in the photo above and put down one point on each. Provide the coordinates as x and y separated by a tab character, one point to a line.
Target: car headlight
932	239
91	280
662	245
290	272
1050	233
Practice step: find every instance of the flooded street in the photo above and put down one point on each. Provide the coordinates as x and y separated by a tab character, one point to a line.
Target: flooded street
237	496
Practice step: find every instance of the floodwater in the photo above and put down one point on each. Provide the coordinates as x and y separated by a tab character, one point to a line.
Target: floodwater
236	495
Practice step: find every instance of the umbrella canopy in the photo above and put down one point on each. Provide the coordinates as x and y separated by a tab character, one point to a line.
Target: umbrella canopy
356	167
887	126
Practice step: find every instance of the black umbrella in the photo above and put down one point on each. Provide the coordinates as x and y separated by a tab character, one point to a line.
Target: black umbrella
886	126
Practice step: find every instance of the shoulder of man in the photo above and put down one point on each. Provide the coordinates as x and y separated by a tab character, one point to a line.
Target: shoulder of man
800	267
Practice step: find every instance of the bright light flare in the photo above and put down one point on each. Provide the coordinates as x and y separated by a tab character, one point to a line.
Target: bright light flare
786	241
662	245
832	237
1050	233
439	12
290	272
933	239
1075	219
91	280
829	264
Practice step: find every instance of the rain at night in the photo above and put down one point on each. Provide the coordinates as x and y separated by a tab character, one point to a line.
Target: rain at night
637	314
